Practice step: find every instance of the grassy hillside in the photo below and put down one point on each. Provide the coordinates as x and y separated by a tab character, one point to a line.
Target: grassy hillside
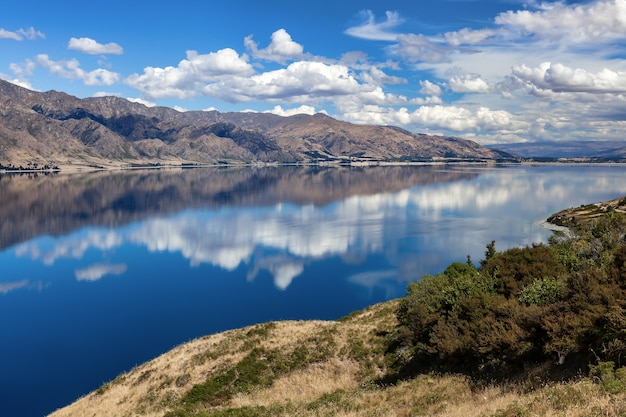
471	341
321	368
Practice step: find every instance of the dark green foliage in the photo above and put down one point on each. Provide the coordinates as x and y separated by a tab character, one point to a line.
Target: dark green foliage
518	267
226	412
258	369
255	369
554	303
327	400
241	412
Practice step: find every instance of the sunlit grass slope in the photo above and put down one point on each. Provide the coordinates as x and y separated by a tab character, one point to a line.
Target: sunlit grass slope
319	368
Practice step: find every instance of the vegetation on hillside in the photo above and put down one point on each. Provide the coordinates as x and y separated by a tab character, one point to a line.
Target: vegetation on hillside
539	330
556	307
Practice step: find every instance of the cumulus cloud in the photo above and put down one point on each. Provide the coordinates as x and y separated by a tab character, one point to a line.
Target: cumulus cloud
21	34
561	78
90	46
594	21
470	83
300	80
429	88
379	31
378	77
441	117
71	69
186	79
462	119
97	271
281	49
446	117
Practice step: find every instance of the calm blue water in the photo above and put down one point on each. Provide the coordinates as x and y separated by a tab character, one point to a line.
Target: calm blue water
101	272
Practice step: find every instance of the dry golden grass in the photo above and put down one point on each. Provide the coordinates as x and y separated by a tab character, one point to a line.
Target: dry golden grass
342	384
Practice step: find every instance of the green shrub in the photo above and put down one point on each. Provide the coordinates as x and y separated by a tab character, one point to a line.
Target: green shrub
542	292
613	380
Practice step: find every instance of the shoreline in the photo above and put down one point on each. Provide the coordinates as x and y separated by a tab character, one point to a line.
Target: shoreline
79	168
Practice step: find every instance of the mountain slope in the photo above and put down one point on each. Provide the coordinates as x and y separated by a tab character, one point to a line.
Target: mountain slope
319	368
58	129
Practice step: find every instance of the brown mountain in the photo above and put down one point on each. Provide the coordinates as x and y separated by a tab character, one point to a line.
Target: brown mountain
54	128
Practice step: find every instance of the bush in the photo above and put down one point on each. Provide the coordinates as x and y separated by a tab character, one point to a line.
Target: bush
533	304
542	292
613	380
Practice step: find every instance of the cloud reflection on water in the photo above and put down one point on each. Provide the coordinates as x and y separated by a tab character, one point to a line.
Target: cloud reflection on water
283	238
97	271
7	287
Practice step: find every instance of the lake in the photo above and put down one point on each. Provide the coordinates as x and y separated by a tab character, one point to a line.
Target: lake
101	272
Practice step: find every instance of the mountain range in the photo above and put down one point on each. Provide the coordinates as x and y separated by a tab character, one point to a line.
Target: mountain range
599	150
56	129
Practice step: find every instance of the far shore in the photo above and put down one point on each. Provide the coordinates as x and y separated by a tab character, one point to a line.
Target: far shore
69	168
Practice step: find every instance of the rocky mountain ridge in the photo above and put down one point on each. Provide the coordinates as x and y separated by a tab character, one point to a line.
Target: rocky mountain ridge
54	128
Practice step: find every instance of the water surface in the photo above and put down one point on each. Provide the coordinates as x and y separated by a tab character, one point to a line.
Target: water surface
104	271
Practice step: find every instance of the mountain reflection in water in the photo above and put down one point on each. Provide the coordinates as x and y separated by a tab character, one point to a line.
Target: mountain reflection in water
58	204
103	271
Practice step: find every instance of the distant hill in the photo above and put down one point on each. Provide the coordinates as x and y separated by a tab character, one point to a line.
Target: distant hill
54	128
568	149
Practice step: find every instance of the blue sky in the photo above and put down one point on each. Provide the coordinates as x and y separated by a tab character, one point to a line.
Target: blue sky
491	71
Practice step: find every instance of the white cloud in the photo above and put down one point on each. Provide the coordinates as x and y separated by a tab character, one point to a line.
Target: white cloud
5	34
378	77
21	34
419	48
446	117
371	30
468	36
23	70
561	78
429	88
185	80
450	118
71	69
106	94
17	81
304	109
90	46
97	271
141	101
570	23
470	83
421	101
302	80
498	120
281	49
